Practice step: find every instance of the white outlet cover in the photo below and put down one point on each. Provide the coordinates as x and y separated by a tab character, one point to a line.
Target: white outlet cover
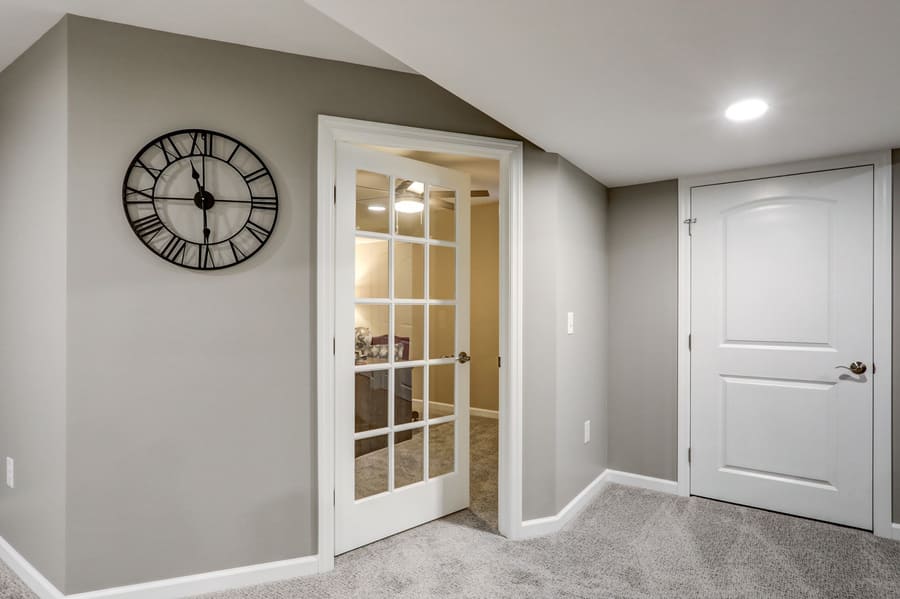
570	323
587	431
10	473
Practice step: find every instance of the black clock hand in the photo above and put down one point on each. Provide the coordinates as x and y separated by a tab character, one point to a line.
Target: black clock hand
196	176
194	199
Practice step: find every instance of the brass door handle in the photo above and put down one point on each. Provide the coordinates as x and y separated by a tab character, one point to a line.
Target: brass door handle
855	367
463	357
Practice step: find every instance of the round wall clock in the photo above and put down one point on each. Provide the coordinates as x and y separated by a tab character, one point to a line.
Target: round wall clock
200	199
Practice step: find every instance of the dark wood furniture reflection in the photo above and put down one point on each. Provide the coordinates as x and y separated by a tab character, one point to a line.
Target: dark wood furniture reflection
372	401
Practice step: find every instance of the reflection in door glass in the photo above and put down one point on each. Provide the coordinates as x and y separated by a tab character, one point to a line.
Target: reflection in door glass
408	395
441	331
409	453
409	331
409	207
372	202
371	273
371	402
371	466
442	213
372	328
409	270
440	390
441	444
442	273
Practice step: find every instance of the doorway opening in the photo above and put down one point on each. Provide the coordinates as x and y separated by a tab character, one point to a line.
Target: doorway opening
419	183
484	327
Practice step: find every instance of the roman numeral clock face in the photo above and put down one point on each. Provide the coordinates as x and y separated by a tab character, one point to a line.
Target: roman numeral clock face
200	199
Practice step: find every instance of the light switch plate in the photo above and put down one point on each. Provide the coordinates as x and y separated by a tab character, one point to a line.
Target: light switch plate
570	323
10	473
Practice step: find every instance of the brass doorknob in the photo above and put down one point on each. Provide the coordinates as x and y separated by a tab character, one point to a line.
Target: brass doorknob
855	367
463	357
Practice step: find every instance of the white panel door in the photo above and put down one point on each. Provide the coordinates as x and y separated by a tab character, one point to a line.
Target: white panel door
402	337
781	288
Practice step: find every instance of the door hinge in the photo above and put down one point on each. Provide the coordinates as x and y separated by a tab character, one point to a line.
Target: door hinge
689	222
334	497
334	195
689	455
689	341
499	362
333	346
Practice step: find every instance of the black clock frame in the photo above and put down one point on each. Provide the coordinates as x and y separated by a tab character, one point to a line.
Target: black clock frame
172	155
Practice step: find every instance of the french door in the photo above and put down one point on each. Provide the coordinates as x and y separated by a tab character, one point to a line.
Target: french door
402	333
782	344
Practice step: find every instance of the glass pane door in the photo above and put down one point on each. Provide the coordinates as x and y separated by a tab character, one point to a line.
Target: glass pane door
401	323
405	332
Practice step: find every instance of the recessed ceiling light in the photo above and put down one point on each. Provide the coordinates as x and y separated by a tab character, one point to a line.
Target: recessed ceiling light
409	206
746	110
377	208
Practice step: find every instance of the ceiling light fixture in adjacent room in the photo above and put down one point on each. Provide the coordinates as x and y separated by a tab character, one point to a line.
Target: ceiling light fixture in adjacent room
409	206
417	187
746	110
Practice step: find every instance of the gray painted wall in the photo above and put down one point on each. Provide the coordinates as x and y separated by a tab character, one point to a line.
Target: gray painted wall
581	358
643	328
33	303
191	414
565	257
539	335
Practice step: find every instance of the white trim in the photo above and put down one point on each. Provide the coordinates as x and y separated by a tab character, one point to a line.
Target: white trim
510	156
650	483
683	470
480	412
484	413
539	527
171	588
882	483
882	434
895	531
210	582
33	579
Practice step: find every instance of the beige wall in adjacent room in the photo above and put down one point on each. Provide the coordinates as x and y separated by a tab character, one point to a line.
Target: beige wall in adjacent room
485	337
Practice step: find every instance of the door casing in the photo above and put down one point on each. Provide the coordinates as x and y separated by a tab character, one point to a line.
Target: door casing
332	130
882	430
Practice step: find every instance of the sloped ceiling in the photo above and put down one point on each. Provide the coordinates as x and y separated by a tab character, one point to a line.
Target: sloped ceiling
285	25
635	90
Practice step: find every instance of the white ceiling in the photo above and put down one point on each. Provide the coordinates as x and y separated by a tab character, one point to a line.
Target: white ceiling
634	90
629	90
285	25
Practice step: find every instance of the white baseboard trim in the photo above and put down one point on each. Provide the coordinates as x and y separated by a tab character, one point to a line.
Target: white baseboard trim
644	482
483	413
895	530
539	527
171	588
33	579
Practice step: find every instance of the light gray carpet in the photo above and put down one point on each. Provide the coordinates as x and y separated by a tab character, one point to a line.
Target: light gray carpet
11	587
627	543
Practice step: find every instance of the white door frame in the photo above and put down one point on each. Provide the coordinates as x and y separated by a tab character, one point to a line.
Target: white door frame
509	154
881	161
